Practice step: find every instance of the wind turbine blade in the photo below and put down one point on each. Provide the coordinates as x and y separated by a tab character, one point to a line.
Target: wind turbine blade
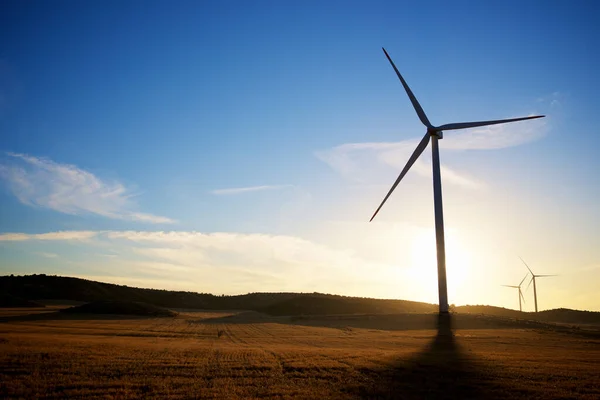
410	94
516	287
525	277
532	278
465	125
522	297
526	266
420	148
543	276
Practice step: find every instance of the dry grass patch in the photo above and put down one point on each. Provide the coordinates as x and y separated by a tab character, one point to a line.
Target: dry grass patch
185	357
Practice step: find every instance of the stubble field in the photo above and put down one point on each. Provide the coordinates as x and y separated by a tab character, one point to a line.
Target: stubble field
223	355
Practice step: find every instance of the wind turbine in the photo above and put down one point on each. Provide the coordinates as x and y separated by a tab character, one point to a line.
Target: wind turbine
533	276
434	133
520	292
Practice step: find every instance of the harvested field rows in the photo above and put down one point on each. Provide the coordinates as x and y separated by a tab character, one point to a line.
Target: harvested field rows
208	355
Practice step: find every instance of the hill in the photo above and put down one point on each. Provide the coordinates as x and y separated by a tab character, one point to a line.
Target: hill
10	301
45	287
327	304
36	288
560	315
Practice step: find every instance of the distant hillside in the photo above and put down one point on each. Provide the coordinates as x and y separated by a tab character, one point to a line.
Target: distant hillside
39	287
569	316
561	315
490	310
10	301
326	305
45	287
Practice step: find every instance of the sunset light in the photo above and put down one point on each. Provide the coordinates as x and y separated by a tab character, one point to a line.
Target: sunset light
208	199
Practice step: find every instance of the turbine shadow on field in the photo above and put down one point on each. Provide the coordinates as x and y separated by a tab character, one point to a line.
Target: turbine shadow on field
387	322
443	369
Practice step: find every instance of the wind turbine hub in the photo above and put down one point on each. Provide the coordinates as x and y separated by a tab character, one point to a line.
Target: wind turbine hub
439	134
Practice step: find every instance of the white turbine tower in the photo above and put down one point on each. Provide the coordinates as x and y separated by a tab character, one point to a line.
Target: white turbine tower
533	276
520	292
434	133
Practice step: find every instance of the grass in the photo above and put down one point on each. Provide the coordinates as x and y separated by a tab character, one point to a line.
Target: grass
219	355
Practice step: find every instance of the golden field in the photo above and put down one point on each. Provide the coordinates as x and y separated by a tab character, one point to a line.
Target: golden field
210	355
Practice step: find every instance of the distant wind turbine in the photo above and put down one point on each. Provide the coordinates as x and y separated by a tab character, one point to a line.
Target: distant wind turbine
434	133
533	276
520	292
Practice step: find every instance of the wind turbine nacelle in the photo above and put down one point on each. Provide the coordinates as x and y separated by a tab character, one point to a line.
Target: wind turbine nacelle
439	134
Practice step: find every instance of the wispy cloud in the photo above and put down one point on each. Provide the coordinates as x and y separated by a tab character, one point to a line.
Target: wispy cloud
168	245
71	190
496	137
553	100
241	190
59	235
222	261
357	161
47	255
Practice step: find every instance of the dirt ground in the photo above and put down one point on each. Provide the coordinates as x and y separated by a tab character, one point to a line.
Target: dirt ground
209	355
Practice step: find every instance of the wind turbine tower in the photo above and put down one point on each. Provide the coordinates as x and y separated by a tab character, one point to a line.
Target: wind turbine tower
533	276
434	133
520	292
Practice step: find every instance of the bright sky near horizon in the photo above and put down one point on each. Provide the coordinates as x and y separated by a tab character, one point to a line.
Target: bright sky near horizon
234	146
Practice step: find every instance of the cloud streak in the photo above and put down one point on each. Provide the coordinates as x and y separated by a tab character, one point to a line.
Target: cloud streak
219	261
242	190
50	236
47	255
358	161
496	137
40	182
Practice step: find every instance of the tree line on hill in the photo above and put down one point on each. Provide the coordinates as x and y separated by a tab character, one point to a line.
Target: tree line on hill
33	290
47	287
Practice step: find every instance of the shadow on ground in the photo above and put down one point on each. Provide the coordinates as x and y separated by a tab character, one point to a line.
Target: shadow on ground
388	322
442	370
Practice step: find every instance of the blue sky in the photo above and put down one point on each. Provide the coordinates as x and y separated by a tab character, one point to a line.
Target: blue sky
230	147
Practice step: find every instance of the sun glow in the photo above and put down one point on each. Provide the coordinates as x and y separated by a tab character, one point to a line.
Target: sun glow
423	267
